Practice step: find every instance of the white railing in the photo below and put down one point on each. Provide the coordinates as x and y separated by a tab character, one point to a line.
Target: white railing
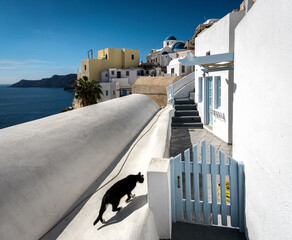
181	87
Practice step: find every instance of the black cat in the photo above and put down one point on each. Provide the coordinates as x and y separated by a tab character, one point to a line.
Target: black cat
117	191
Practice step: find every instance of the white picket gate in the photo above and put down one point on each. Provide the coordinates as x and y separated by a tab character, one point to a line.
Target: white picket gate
192	180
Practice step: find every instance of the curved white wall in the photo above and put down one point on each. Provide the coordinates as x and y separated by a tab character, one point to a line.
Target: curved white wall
48	163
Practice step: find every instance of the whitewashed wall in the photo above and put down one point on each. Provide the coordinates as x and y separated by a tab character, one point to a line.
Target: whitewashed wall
170	43
47	164
112	88
262	117
165	59
177	66
218	39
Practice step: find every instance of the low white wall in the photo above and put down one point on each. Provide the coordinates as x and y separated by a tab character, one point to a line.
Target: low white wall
48	163
159	198
135	221
262	116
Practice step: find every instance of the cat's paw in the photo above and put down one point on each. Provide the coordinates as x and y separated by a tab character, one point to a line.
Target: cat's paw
129	200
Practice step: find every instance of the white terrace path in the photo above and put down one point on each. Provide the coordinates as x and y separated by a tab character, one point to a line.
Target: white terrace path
183	138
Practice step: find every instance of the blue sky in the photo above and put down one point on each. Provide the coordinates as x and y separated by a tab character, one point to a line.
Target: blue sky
40	38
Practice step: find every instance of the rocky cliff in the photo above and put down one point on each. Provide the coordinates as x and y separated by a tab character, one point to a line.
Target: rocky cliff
57	81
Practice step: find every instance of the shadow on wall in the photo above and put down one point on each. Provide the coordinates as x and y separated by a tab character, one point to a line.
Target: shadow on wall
134	205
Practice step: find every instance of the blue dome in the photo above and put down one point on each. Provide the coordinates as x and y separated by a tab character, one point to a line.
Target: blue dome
164	53
179	45
170	37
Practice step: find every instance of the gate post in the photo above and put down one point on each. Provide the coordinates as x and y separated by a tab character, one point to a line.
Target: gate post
159	195
241	191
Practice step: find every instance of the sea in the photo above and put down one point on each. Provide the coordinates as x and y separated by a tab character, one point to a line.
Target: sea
20	105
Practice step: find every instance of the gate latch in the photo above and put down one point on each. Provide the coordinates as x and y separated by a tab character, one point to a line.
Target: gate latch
178	182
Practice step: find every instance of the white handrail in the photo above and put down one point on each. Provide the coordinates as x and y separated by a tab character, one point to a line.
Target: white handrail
177	86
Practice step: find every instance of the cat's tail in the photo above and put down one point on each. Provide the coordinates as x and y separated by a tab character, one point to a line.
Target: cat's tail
101	211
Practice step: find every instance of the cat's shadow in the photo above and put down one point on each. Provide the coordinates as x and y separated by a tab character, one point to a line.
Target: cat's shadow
131	207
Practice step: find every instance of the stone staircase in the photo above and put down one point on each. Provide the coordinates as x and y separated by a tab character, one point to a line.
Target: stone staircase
186	114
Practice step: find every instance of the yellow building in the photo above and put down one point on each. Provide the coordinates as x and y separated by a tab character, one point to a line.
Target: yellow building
109	58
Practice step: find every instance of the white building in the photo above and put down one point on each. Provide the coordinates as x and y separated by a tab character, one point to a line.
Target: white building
256	101
110	90
176	68
118	82
171	48
262	130
214	90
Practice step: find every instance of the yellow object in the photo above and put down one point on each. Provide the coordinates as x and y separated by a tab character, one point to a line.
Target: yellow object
227	192
109	58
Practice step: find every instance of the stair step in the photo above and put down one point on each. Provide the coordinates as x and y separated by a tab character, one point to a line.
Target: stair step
190	125
185	107
186	113
186	119
183	101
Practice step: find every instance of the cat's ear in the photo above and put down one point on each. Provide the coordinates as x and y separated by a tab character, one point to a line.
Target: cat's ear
139	174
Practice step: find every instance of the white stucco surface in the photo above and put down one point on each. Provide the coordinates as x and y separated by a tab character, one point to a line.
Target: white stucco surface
159	197
219	38
47	164
262	117
135	221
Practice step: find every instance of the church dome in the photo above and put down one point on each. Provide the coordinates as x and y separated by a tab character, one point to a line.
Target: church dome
170	37
179	45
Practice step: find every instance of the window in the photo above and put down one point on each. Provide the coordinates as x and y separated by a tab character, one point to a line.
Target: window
127	73
118	74
106	56
218	91
183	69
208	53
200	89
147	72
172	70
84	67
133	57
113	72
106	92
114	93
124	92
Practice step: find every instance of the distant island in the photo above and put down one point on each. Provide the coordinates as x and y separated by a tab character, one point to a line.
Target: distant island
57	81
